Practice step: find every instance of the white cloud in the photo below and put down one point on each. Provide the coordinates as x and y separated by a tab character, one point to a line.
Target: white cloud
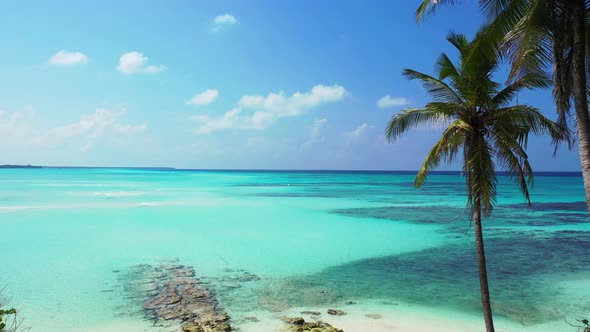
130	129
15	127
359	131
258	112
315	132
66	58
316	128
228	120
389	101
134	62
277	105
204	98
225	19
88	130
154	69
17	131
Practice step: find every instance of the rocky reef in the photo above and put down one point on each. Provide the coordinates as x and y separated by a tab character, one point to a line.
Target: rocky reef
171	294
336	312
298	324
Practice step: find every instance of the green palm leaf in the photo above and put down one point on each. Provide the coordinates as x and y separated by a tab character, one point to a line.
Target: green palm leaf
411	118
445	149
438	89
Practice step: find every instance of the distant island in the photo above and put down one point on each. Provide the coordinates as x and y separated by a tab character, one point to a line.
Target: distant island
20	166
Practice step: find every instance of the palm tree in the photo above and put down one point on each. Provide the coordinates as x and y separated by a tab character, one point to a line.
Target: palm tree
545	35
484	128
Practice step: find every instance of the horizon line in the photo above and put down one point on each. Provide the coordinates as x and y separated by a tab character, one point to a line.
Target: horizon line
167	168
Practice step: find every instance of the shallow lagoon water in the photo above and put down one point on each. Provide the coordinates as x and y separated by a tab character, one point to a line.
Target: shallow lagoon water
316	240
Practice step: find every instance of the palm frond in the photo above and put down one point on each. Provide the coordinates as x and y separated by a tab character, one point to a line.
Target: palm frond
458	40
528	43
506	13
445	68
485	47
480	173
413	117
428	7
528	81
511	157
438	89
445	149
478	61
529	119
493	8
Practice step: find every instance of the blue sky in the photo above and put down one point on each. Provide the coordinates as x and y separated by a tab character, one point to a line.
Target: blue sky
223	84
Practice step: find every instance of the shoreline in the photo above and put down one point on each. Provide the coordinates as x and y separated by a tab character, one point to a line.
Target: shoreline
400	318
390	318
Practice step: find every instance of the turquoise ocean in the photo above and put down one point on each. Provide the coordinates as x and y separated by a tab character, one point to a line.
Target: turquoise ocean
313	239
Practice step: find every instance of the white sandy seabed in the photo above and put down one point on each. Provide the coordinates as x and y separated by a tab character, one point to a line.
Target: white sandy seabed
398	318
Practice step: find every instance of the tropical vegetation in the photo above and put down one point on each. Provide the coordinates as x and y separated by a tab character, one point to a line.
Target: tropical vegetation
8	320
482	127
540	36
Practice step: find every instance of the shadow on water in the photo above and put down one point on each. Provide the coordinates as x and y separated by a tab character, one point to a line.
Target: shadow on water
538	214
524	273
536	268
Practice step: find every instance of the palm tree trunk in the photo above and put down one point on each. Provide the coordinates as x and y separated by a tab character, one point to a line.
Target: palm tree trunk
483	273
580	97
